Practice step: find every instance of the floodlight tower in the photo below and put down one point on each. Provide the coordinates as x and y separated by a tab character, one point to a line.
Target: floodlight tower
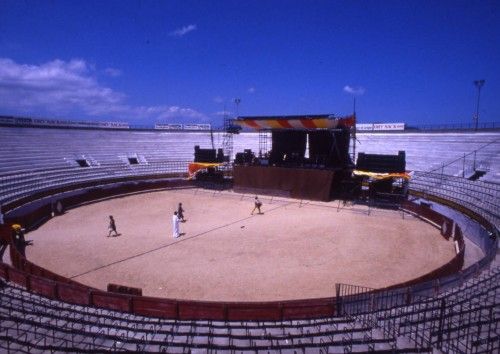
478	84
353	132
227	139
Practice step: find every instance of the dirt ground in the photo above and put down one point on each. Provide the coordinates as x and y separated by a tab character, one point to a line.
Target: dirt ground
293	250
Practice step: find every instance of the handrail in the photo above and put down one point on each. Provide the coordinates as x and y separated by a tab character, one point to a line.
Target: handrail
443	165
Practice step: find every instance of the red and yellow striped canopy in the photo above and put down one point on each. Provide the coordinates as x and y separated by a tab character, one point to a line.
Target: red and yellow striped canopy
296	122
380	175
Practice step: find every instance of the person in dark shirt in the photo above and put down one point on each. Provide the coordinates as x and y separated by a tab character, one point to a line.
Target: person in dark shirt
112	226
18	238
180	213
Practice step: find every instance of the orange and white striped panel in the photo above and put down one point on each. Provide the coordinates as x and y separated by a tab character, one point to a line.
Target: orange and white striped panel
295	123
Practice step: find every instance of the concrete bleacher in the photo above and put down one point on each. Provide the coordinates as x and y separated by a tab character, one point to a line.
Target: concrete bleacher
480	197
37	159
34	159
31	148
464	319
29	322
442	152
27	148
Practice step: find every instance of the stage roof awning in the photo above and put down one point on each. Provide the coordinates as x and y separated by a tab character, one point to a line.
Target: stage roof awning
324	121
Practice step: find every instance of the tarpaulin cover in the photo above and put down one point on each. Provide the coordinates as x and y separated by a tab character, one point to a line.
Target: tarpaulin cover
196	166
378	175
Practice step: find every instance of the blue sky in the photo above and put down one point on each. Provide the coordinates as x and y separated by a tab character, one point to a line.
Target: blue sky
184	61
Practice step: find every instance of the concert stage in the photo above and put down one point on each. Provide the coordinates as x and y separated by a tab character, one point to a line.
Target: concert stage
300	183
309	156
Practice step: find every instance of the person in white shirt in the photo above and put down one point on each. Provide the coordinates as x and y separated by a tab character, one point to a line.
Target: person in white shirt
175	225
257	205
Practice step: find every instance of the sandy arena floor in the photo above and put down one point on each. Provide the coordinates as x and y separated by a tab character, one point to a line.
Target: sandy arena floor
292	251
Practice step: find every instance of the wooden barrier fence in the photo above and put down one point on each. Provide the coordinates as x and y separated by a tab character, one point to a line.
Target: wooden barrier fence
48	284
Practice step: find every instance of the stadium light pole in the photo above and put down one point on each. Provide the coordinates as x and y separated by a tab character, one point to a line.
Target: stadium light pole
237	101
478	84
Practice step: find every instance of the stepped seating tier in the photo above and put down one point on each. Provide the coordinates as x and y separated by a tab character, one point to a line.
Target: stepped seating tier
461	318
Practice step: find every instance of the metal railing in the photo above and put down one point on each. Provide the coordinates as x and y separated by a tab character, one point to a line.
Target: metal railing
466	164
454	126
36	183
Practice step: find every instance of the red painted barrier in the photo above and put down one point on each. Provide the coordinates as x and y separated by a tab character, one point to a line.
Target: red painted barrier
445	223
122	289
4	271
303	309
447	227
199	310
73	294
154	307
51	285
55	277
111	301
254	311
19	277
42	286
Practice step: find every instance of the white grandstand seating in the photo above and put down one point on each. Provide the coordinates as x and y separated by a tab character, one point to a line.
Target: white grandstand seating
33	323
432	151
29	148
37	158
41	324
34	159
424	151
480	197
443	152
440	320
461	319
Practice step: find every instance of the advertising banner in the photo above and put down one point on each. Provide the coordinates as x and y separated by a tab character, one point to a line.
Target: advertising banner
364	127
168	126
380	127
388	126
196	126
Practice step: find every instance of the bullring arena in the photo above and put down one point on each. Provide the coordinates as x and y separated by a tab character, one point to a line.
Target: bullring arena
421	275
293	250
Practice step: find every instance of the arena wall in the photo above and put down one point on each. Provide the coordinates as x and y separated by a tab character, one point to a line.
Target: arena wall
50	285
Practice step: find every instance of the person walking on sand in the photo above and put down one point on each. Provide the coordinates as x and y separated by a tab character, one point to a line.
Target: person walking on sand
180	213
175	225
257	205
112	226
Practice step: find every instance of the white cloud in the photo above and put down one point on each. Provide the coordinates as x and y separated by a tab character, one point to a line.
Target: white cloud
168	112
358	91
223	113
251	89
113	72
219	99
58	86
180	32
